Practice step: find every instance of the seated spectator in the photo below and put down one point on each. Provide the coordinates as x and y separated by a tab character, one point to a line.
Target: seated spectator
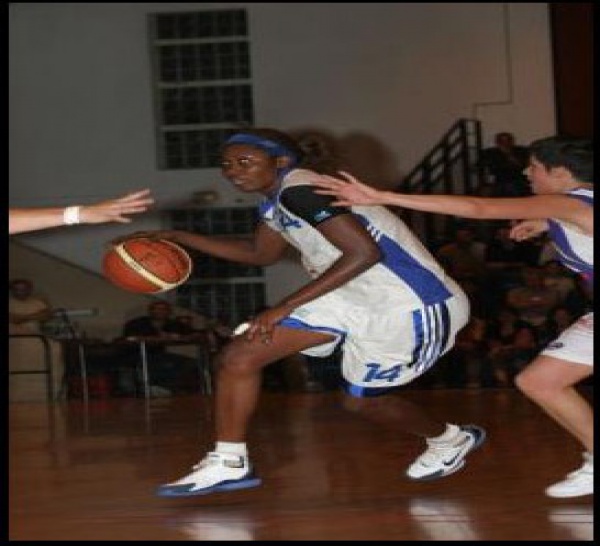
532	300
464	257
559	278
581	299
466	364
172	373
560	318
27	313
504	164
503	325
504	259
503	252
26	310
470	354
510	354
219	333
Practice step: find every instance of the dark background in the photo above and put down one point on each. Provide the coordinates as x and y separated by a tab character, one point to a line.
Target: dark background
572	42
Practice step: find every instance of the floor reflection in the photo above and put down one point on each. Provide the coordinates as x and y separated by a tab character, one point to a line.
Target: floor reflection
442	519
578	520
215	525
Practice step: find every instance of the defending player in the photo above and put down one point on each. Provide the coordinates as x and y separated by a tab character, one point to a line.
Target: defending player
561	174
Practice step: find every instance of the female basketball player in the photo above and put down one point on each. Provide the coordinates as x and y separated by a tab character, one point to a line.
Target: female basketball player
375	290
561	173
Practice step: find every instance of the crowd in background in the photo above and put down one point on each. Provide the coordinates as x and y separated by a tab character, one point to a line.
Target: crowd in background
522	297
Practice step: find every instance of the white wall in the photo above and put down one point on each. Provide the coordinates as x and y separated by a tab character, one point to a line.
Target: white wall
400	74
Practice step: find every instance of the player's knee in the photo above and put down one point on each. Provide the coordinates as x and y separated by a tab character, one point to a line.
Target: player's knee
534	385
522	382
232	361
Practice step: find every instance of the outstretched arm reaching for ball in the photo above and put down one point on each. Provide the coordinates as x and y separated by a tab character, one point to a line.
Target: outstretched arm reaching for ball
351	191
21	220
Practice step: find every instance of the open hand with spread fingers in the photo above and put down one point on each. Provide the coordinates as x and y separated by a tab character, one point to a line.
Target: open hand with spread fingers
349	191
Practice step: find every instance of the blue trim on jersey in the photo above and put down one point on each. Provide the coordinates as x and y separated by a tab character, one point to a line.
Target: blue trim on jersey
297	324
420	280
266	209
566	253
445	326
431	328
419	335
585	197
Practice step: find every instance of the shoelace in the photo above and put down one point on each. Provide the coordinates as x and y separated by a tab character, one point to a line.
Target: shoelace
210	460
437	451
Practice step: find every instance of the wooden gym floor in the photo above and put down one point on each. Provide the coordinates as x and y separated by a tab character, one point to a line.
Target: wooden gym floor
82	472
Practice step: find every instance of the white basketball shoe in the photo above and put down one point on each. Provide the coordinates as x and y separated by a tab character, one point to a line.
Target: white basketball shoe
578	483
444	458
216	472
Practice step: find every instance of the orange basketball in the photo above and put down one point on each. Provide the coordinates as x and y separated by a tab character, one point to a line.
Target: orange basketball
146	266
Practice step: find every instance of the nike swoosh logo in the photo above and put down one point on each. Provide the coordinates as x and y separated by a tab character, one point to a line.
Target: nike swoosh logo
453	460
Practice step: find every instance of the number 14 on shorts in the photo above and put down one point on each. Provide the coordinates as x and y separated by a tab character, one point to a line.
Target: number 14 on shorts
375	372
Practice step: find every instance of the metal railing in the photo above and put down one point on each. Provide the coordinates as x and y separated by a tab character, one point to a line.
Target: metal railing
451	167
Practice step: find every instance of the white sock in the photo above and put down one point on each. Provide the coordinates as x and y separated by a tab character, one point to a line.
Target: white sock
233	448
449	435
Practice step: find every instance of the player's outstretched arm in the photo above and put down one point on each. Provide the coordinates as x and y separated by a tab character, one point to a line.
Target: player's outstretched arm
21	220
534	207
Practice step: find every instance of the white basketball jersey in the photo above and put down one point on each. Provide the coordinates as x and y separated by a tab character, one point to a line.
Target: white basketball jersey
575	249
407	276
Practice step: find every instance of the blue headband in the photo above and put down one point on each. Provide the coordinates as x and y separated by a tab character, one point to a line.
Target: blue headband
274	149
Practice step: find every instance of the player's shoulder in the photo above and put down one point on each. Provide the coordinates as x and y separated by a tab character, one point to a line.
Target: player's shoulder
299	177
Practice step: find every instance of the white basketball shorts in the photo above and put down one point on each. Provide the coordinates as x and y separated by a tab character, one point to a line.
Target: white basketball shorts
383	347
576	343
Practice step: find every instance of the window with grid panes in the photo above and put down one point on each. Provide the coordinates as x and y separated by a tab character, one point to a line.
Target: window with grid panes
202	86
220	288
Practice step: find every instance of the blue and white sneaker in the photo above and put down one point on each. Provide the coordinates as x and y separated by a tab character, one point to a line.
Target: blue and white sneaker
444	458
216	472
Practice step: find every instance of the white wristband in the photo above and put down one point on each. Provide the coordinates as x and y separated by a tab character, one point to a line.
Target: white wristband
71	216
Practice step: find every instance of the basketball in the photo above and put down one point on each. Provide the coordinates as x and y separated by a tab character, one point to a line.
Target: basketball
146	266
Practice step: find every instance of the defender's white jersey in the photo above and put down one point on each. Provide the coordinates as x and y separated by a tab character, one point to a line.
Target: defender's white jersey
575	249
395	320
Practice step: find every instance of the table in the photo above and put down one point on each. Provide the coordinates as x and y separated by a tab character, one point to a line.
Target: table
202	359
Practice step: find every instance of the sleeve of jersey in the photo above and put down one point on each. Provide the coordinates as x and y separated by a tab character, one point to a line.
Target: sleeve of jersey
311	207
